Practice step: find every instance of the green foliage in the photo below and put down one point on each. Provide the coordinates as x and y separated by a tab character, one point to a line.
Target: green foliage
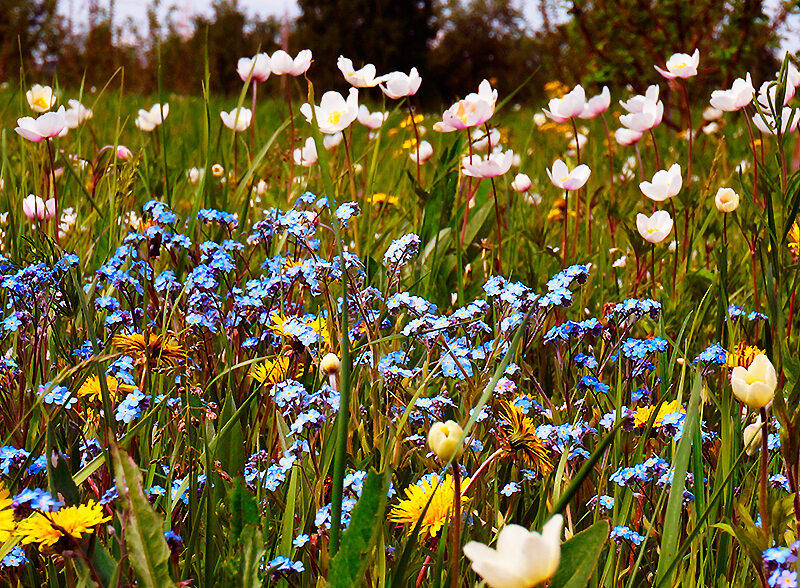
579	557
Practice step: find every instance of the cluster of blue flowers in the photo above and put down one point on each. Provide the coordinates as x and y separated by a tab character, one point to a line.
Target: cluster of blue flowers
779	563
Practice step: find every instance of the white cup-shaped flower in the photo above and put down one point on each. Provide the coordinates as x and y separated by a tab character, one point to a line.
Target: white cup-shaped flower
46	126
597	104
739	95
649	117
566	179
359	78
444	439
307	155
334	113
666	184
768	95
495	164
194	174
567	107
626	136
238	119
331	141
755	386
712	114
399	85
767	124
636	103
281	63
371	120
421	154
726	200
147	120
522	558
37	209
76	114
681	65
256	68
483	142
655	228
752	437
521	183
40	98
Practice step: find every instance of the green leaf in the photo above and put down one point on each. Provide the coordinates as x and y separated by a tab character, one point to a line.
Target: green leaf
252	546
144	532
58	475
347	567
229	443
579	557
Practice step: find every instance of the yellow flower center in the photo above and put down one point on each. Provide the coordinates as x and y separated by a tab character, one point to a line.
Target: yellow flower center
651	230
334	117
681	65
41	102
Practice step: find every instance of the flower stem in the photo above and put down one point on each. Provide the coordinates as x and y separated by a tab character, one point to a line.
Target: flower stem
56	218
416	132
455	547
762	493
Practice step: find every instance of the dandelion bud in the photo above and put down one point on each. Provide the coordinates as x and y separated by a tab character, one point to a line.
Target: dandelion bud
329	365
755	386
726	200
752	437
444	439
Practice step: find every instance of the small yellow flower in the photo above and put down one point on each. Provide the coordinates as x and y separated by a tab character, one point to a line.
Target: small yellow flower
271	371
517	434
90	390
7	523
318	324
72	521
794	239
381	198
409	510
642	415
159	348
742	355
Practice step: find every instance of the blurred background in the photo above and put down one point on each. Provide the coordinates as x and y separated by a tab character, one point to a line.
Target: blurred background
453	43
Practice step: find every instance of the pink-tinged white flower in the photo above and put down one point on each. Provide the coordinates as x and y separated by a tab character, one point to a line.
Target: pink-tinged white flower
597	104
681	65
710	128
482	142
649	117
768	95
147	120
76	114
237	119
522	558
334	113
472	111
256	68
656	228
37	209
726	200
739	96
307	155
194	175
570	106
399	85
495	164
331	141
421	154
582	140
566	179
371	120
712	114
636	103
666	184
627	136
361	78
793	76
521	183
281	63
766	122
123	152
46	126
40	98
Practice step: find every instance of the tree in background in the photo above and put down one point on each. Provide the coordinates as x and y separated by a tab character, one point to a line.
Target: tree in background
25	28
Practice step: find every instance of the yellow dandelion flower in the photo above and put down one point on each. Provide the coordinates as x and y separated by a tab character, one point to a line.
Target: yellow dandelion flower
794	239
409	510
90	390
409	144
417	119
642	414
742	355
7	523
517	434
271	371
159	348
72	521
380	198
318	324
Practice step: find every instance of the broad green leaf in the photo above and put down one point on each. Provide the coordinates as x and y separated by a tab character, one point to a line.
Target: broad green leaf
579	557
251	544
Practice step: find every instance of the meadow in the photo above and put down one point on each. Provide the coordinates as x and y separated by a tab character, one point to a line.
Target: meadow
296	346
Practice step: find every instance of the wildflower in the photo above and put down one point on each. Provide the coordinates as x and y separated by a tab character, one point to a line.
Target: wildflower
726	200
282	63
522	558
271	371
794	239
644	111
472	111
655	228
334	113
517	435
752	436
40	98
681	65
409	510
521	183
641	415
565	179
217	170
570	106
123	152
739	96
256	68
331	141
444	439
147	120
329	364
768	95
71	522
90	389
665	184
597	104
238	119
493	165
7	523
619	532
307	155
712	114
755	386
158	348
627	137
381	198
76	114
46	126
362	78
767	124
399	85
371	120
37	209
